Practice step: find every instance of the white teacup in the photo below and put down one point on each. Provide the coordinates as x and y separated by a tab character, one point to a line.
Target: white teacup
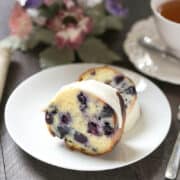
168	30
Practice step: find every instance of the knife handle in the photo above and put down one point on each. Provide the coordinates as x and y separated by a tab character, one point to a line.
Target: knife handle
173	164
5	55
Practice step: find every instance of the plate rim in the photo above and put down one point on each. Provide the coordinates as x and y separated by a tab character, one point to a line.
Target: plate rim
74	168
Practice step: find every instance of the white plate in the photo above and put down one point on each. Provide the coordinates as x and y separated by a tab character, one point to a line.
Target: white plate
26	125
148	62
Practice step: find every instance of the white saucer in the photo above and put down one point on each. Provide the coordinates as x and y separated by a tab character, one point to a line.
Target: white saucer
150	63
26	125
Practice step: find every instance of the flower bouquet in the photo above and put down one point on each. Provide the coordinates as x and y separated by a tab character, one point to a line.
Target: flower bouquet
66	28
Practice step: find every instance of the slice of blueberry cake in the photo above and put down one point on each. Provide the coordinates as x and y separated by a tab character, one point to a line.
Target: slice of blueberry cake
88	115
123	84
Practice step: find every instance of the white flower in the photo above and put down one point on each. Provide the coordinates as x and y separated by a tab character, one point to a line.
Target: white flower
22	2
89	3
35	15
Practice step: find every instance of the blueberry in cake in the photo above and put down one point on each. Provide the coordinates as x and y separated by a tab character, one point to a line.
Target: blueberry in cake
88	115
123	84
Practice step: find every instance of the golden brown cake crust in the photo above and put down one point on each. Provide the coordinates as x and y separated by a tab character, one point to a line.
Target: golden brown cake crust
93	70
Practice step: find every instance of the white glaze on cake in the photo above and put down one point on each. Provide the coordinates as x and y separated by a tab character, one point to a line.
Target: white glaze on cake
131	101
101	90
132	117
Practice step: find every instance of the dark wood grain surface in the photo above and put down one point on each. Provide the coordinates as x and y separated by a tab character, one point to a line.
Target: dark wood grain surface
17	165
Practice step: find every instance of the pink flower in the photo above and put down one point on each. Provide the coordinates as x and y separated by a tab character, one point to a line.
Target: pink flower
71	37
71	27
20	22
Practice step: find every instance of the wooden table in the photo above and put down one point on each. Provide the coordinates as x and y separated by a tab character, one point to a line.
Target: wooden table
17	165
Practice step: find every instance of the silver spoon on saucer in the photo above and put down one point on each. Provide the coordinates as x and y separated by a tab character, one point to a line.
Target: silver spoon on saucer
147	42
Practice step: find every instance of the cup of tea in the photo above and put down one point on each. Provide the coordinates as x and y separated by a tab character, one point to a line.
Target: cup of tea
167	19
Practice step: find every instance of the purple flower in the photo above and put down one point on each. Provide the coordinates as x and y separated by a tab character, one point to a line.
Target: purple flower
33	3
115	8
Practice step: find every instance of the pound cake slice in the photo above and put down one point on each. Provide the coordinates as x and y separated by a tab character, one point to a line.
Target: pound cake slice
123	84
88	115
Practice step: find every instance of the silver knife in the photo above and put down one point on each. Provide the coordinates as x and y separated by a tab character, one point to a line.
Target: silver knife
173	164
